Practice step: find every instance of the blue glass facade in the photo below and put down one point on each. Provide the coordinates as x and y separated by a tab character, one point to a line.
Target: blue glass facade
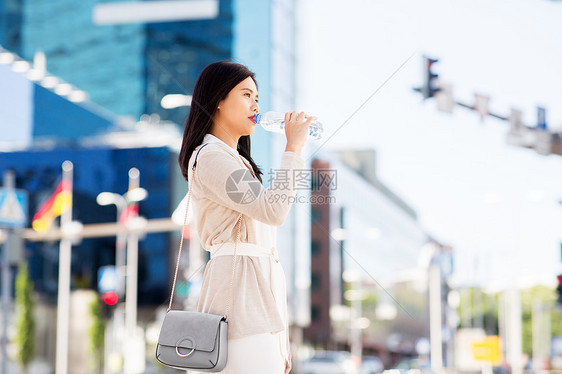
10	24
97	170
67	121
176	52
30	112
127	68
252	47
105	61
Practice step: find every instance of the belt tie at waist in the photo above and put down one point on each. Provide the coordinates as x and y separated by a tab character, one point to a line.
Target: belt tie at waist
244	249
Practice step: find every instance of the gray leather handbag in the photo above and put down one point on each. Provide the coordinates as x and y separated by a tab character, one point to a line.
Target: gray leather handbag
195	340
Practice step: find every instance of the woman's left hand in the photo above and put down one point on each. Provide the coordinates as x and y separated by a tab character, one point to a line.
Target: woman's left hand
288	366
288	363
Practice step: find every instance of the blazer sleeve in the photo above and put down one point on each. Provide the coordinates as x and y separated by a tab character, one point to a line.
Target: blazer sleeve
219	176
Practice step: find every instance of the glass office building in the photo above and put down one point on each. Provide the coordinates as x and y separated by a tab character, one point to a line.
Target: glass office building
364	238
96	170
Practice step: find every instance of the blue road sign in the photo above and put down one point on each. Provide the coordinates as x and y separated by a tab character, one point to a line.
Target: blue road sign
13	208
107	279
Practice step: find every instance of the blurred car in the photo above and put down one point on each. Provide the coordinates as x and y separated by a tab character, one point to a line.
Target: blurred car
329	362
371	365
411	366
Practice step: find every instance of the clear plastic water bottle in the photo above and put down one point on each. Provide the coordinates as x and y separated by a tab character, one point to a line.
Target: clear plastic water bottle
275	122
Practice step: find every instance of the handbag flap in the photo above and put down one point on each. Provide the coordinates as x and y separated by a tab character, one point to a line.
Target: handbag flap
189	329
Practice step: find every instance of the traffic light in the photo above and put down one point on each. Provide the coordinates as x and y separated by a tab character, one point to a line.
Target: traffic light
559	290
429	87
109	301
107	288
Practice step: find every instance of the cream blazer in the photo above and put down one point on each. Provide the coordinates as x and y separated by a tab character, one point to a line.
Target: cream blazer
223	186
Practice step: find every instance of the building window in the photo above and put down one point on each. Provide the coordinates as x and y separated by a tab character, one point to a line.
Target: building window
314	247
314	281
315	215
314	313
314	182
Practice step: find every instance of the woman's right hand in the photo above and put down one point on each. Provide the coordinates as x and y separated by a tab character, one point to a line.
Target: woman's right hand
296	130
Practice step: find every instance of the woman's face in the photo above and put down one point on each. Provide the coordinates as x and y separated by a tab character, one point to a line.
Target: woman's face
235	112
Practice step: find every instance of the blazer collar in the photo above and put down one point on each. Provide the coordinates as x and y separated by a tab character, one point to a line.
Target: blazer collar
210	138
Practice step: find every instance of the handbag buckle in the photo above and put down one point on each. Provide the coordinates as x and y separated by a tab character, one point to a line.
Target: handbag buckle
186	355
179	343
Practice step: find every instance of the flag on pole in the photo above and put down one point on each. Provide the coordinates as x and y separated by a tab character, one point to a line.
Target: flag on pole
481	105
59	202
130	211
444	98
132	208
516	120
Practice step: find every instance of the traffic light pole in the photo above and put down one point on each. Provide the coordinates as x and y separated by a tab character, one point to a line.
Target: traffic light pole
435	318
538	138
471	107
118	316
131	300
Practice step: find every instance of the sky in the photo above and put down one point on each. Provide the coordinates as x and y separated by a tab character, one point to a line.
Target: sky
495	203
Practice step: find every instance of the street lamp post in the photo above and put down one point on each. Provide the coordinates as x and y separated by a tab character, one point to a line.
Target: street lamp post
357	323
134	359
126	262
121	201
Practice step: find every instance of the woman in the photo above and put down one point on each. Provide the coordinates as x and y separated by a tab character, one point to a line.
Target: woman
226	183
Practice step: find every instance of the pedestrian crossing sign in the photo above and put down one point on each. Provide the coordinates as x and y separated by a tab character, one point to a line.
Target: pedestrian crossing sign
13	207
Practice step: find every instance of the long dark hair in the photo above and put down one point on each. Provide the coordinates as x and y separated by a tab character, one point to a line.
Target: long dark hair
212	86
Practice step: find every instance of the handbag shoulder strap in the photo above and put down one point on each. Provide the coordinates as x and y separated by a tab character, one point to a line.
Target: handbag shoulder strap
238	223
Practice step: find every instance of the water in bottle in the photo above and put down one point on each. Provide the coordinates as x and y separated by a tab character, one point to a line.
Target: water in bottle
275	122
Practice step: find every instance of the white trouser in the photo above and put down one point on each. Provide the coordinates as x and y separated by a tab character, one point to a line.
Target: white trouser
254	354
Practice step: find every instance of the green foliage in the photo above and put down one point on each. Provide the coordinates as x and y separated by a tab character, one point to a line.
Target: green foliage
532	295
556	322
346	287
370	301
527	331
488	311
97	333
538	293
25	336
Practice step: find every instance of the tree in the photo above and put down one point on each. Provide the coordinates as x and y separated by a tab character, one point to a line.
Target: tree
489	310
25	337
484	312
97	333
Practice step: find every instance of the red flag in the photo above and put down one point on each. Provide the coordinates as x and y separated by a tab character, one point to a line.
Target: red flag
130	211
